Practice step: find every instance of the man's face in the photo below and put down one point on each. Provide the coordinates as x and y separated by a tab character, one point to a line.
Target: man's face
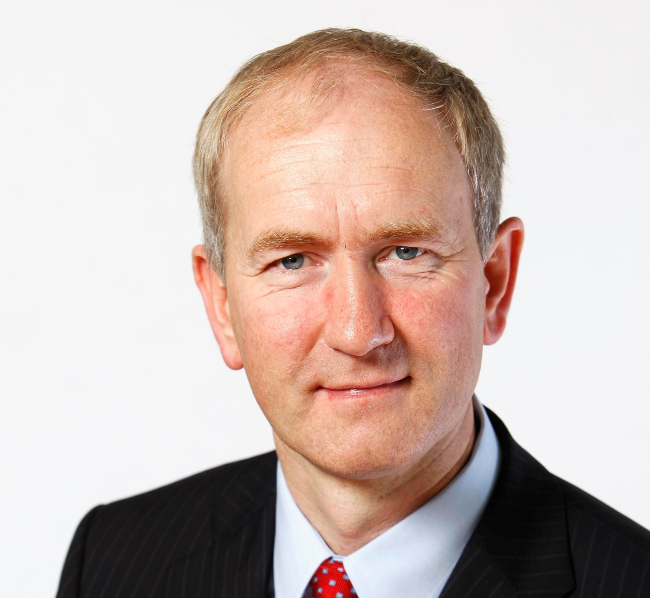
355	285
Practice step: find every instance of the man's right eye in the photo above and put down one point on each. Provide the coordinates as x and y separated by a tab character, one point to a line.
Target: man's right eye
293	262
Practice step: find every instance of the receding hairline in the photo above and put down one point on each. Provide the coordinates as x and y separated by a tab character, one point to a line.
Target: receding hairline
300	94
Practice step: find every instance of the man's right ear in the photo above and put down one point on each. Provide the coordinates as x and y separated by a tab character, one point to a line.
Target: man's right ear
215	298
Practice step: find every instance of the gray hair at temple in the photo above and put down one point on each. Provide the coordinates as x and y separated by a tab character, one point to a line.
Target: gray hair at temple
316	58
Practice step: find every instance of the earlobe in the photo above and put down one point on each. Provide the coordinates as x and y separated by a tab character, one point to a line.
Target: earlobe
215	298
500	272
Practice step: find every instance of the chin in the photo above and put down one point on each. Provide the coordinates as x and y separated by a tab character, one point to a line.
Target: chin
366	456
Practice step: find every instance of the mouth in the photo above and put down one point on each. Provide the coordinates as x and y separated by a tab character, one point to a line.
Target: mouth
363	390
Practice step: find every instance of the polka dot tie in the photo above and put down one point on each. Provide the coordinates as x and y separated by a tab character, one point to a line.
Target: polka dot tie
331	581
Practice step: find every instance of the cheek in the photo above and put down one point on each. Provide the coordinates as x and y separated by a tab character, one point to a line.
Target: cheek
280	330
443	321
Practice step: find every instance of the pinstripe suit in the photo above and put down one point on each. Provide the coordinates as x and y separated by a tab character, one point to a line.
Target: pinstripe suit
211	535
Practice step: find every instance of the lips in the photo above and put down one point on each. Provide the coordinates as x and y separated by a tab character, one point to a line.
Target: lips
363	389
361	385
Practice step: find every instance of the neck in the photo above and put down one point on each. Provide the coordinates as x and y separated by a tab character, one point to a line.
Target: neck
349	513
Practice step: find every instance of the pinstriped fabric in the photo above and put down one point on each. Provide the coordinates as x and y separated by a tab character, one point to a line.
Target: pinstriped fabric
202	536
238	563
211	536
541	537
611	557
477	574
74	563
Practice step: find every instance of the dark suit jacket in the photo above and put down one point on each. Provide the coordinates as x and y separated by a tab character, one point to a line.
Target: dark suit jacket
211	535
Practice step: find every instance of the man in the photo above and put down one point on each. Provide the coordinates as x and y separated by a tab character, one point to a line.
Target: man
354	265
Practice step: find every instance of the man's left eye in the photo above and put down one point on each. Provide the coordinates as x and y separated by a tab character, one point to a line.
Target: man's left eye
405	253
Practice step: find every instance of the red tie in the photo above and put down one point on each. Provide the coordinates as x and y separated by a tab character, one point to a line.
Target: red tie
331	581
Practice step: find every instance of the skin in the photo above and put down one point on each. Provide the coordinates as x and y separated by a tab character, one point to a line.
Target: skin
363	362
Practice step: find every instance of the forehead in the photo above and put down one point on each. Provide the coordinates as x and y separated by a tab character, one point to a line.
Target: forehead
356	98
368	148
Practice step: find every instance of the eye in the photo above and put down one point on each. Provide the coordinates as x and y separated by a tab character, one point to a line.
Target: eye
293	262
405	253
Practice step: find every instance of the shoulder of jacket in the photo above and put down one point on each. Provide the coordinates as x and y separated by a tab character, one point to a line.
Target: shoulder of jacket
200	489
591	513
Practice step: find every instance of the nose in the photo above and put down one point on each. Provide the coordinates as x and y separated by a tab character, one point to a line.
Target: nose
357	321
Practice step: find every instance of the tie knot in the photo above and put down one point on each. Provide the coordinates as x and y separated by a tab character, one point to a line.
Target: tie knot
331	581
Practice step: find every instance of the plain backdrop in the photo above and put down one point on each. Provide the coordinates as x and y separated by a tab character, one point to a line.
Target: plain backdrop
110	380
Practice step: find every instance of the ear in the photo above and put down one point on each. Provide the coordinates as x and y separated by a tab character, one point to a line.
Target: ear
500	272
215	298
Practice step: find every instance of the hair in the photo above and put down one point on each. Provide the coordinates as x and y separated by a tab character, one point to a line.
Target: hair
439	87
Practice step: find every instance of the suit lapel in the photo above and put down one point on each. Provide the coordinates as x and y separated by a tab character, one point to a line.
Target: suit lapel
521	544
236	559
477	575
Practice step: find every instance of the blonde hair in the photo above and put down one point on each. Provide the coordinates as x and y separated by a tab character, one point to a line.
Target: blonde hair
445	90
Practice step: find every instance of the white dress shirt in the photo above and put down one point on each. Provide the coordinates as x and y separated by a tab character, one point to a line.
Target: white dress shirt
416	556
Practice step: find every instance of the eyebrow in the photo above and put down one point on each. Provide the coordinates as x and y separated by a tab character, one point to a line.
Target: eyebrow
287	238
274	240
412	228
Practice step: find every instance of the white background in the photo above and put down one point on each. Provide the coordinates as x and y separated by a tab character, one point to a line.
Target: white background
110	380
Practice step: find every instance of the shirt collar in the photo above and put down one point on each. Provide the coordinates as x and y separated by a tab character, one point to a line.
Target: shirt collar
417	554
